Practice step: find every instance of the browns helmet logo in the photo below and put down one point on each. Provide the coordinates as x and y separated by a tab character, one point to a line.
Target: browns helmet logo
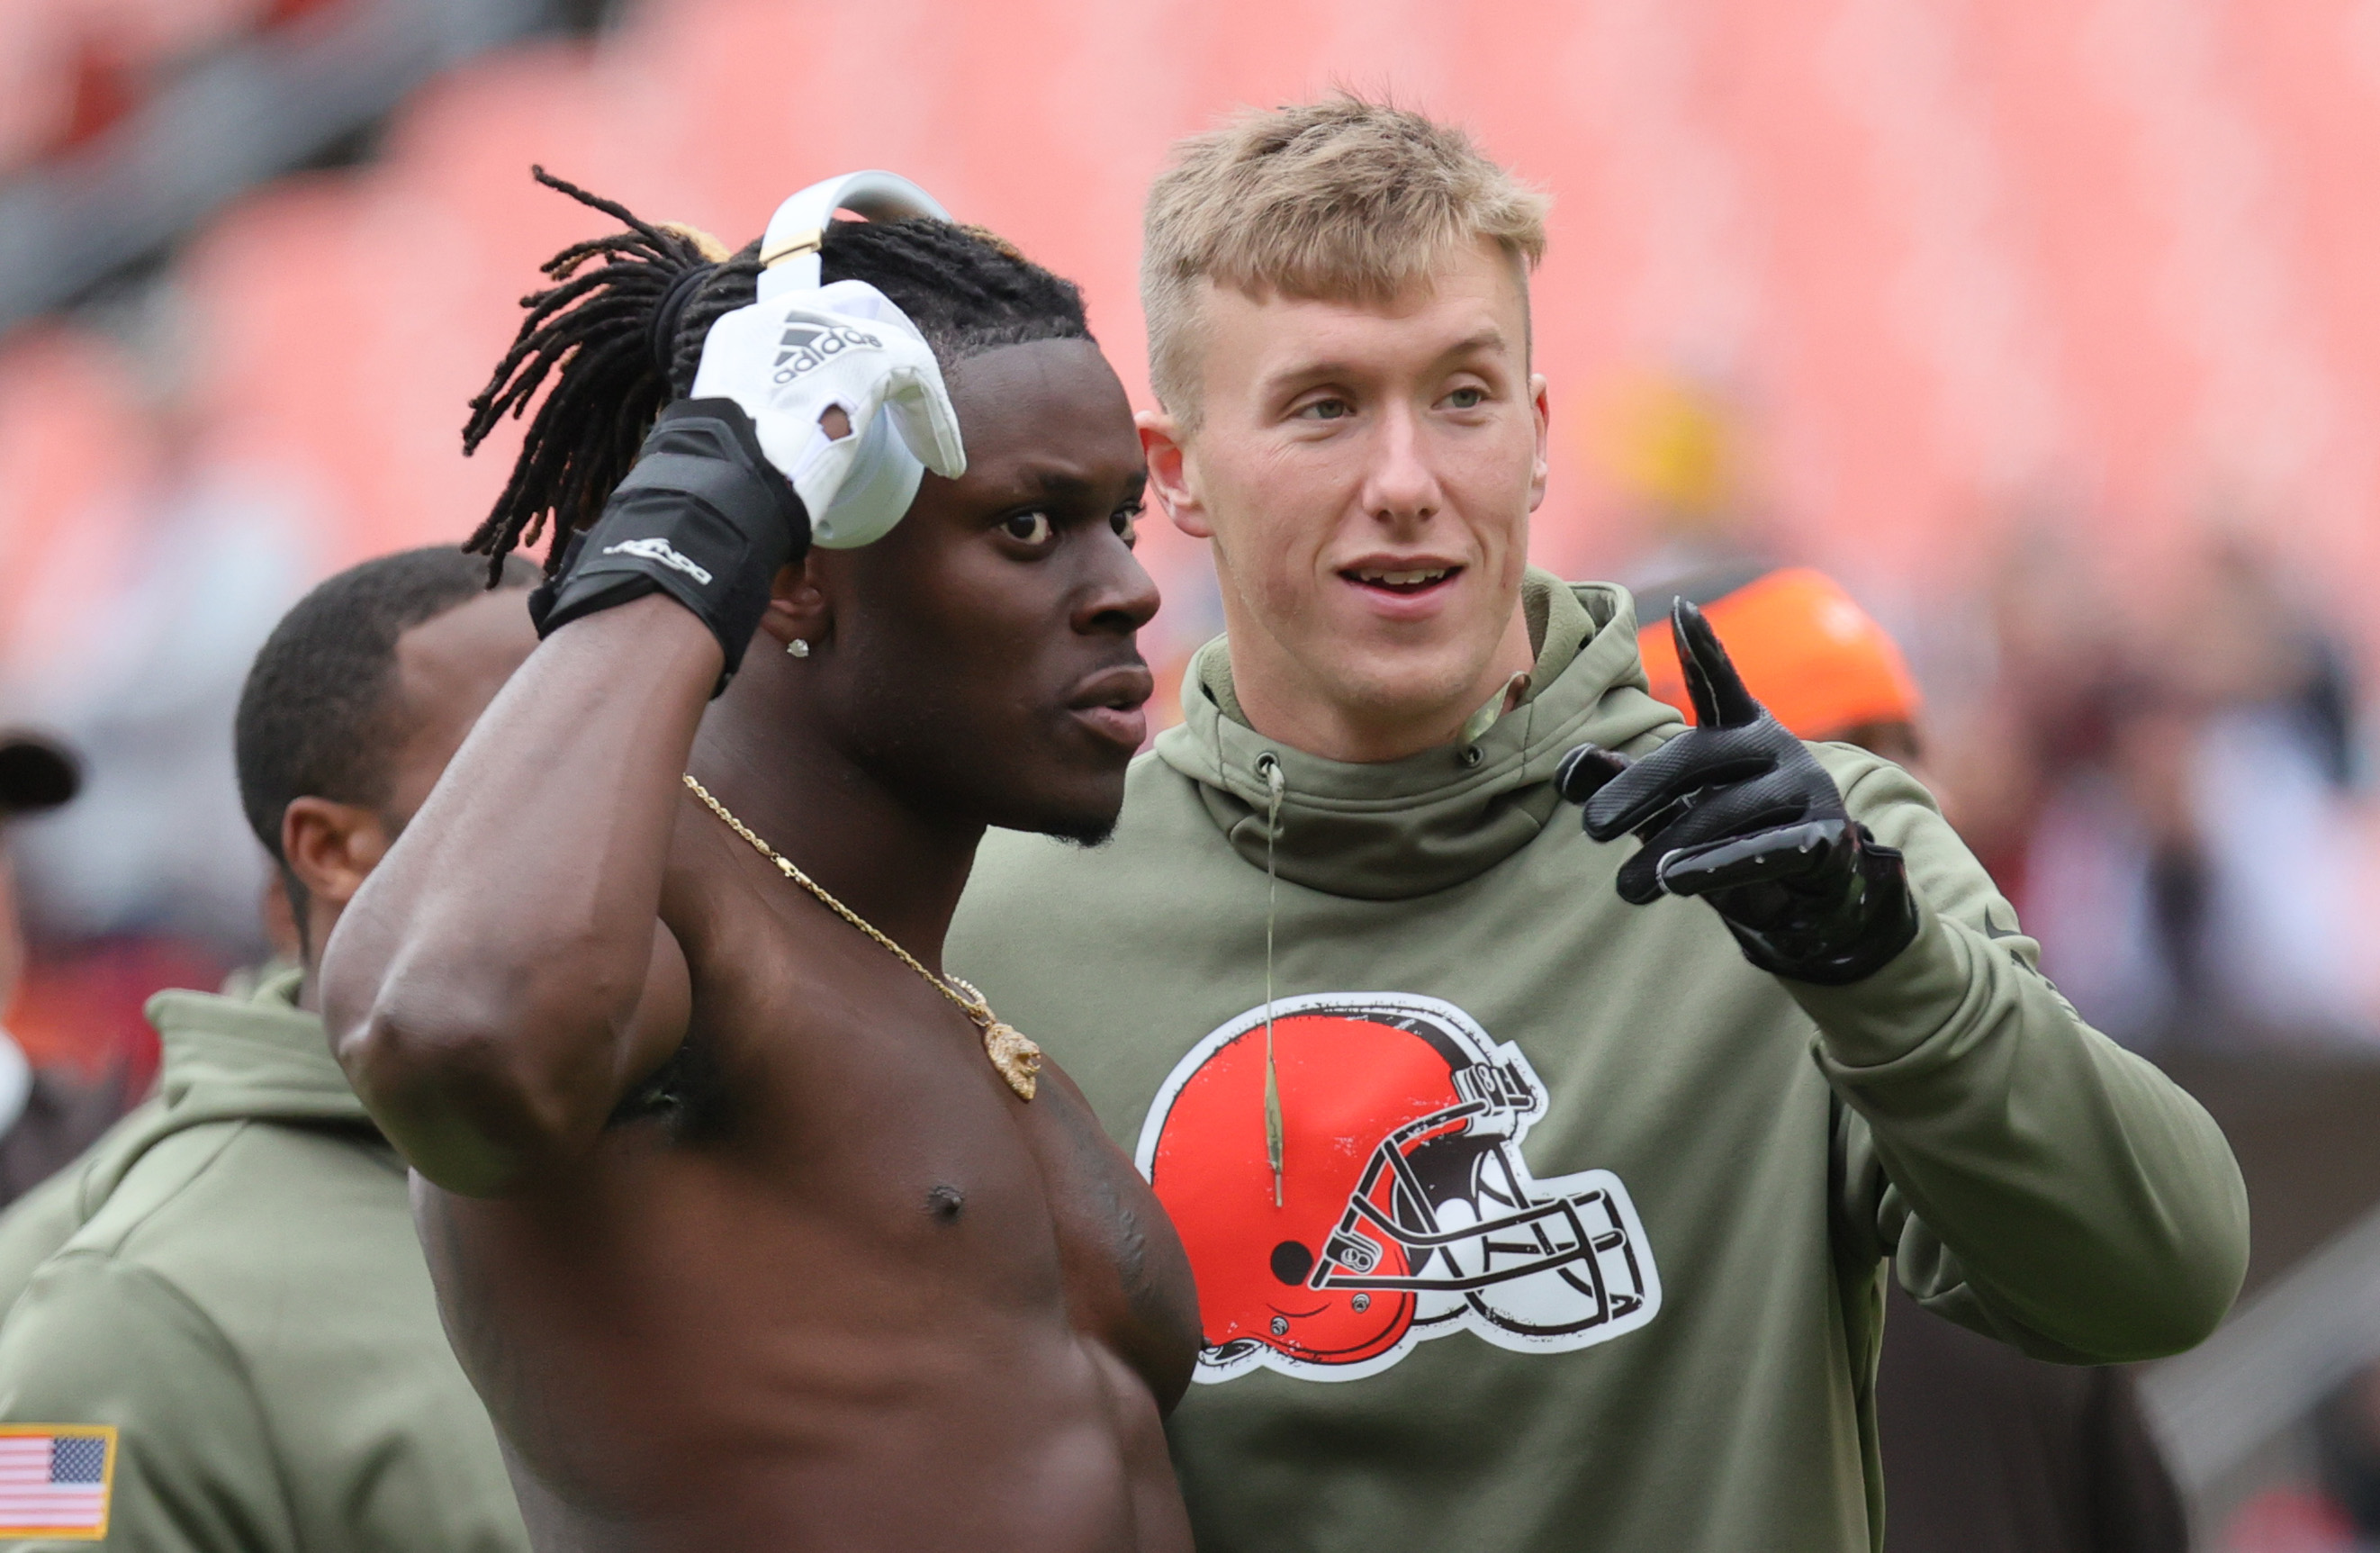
1406	1211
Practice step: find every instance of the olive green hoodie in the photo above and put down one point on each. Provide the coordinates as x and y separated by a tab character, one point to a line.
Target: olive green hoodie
1576	1237
244	1303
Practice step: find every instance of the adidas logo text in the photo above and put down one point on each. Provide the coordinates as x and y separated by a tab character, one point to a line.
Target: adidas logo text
805	346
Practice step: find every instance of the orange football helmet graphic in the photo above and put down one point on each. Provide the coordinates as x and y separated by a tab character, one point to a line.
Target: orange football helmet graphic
1407	1212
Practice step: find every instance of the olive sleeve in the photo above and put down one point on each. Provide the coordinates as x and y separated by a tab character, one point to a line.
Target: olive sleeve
96	1341
2030	1179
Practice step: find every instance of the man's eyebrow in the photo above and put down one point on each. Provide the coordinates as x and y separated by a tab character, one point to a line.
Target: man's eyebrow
1490	338
1322	369
1309	370
1061	484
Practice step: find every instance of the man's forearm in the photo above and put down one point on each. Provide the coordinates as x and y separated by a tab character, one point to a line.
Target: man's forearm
2094	1208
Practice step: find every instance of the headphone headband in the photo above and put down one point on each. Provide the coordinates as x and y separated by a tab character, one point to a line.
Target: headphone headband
789	249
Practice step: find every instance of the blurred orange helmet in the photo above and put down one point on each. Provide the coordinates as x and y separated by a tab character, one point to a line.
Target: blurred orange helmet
1819	662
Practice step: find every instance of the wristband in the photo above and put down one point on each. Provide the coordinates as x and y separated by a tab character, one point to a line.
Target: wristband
703	516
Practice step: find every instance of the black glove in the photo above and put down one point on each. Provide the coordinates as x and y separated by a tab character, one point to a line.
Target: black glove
703	516
1740	813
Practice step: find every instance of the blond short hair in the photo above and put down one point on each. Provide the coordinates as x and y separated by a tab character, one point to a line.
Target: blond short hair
1344	199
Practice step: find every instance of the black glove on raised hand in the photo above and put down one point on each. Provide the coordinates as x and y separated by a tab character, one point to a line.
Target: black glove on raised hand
1740	812
703	516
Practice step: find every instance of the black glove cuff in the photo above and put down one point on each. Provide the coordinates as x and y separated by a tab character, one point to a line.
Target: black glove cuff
703	516
1851	943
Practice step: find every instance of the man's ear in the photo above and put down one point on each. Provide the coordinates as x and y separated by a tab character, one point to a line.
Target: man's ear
1542	408
1171	479
332	846
798	607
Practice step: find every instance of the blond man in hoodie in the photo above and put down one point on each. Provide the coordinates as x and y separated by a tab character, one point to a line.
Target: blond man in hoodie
1540	1182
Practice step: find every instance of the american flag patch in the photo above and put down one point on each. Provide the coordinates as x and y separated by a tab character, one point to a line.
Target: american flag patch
54	1478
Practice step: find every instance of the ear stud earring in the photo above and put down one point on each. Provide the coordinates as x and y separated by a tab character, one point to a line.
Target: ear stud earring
798	648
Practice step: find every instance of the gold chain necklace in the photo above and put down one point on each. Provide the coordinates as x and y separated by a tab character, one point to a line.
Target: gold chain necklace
1017	1058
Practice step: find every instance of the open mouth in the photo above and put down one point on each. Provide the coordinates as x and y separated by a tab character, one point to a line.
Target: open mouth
1408	582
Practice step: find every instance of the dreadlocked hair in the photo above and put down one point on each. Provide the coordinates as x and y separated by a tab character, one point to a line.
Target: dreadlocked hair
603	334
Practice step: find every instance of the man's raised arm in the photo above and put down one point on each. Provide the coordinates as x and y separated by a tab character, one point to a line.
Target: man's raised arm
2032	1179
504	978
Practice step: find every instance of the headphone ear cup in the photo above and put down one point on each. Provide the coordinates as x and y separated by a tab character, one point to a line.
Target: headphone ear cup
873	497
883	470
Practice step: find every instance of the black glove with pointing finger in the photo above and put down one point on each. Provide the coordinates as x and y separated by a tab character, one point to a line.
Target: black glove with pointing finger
1738	811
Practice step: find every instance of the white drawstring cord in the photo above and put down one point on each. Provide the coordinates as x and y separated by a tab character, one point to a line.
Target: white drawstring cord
1276	785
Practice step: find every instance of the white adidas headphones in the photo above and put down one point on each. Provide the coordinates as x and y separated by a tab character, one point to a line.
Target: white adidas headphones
884	473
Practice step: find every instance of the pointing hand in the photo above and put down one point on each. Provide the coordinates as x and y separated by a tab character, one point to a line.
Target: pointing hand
1738	811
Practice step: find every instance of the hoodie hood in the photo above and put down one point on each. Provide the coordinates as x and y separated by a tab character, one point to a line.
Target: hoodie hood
1401	828
255	1059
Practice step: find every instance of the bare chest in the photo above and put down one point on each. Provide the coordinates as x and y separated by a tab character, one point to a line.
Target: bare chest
861	1127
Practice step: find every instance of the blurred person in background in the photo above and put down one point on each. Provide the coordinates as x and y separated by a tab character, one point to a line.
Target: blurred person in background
2347	1458
1347	949
1672	448
35	1225
2335	1508
46	1118
2263	922
1985	1449
2170	921
236	1295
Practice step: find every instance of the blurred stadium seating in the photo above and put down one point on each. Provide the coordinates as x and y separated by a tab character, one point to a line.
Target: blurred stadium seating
1959	273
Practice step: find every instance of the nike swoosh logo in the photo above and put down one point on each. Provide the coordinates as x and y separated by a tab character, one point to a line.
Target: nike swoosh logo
1995	932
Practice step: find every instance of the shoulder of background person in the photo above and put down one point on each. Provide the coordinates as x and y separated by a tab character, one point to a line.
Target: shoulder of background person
34	1226
272	1232
63	1116
98	1342
236	1213
184	1122
281	1259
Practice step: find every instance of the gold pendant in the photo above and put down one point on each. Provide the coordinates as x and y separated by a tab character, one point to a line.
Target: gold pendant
1018	1059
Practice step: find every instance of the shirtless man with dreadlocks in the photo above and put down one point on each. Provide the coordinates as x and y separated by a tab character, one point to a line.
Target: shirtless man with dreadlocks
752	1231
